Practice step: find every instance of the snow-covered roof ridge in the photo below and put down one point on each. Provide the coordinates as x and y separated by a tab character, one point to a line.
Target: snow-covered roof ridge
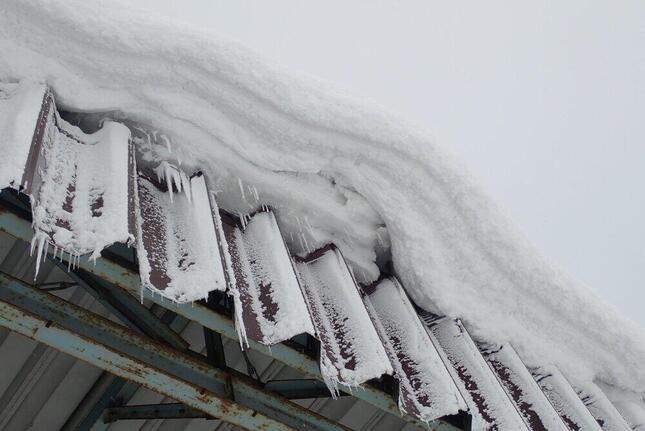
351	169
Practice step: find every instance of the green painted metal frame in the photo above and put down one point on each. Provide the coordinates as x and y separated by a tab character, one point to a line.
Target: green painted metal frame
128	280
68	342
156	364
151	411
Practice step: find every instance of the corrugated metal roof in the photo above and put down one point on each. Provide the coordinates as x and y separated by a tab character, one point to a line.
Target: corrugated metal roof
523	391
564	399
187	247
487	401
426	388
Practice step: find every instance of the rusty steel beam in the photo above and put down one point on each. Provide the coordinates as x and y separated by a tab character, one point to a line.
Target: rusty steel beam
126	353
128	280
151	411
68	342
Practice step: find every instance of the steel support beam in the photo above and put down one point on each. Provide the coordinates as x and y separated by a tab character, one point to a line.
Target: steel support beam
300	389
103	392
66	341
128	280
106	391
126	307
151	411
121	351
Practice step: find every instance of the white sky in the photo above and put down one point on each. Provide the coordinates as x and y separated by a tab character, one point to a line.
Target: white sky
543	101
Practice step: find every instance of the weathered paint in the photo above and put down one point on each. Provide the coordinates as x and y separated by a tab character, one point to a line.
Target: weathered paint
128	280
163	358
127	308
68	342
151	411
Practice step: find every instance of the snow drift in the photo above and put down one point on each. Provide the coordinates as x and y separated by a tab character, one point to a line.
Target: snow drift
333	169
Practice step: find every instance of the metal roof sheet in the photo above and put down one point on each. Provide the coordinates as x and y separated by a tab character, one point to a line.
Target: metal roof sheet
426	388
515	378
351	351
564	399
178	244
267	291
489	404
601	408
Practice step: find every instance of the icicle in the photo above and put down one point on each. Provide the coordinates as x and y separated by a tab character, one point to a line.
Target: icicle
255	193
379	239
165	138
302	245
38	244
304	238
171	175
240	328
185	182
239	182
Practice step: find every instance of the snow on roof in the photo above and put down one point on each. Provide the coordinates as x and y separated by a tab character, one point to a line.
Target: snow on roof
351	351
630	406
564	399
187	247
269	299
334	170
490	406
601	408
523	391
179	256
362	178
20	107
426	389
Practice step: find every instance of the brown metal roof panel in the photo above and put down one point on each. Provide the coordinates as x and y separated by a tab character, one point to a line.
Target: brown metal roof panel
532	404
601	408
22	110
633	410
269	304
178	250
426	389
78	184
489	405
564	399
351	351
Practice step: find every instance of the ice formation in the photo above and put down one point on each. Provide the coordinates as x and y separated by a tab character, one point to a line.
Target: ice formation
361	177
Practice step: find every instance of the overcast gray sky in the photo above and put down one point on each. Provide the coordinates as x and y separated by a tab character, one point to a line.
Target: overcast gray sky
543	101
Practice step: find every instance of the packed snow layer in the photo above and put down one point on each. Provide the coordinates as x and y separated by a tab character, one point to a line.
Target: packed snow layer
19	109
334	170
